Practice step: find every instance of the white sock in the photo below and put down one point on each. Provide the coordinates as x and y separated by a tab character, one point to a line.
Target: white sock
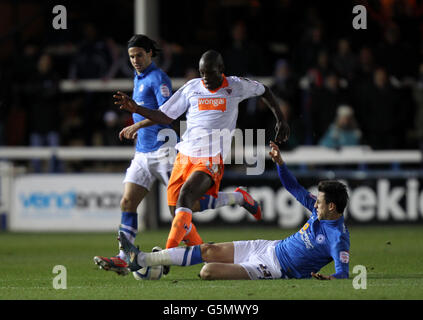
180	256
228	199
148	259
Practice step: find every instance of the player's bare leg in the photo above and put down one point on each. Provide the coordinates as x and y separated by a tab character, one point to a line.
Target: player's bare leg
218	252
133	194
223	271
220	263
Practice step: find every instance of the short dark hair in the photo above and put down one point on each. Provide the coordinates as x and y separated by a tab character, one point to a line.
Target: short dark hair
213	56
335	192
142	41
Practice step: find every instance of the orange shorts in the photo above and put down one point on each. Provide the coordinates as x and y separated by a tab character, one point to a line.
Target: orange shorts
184	166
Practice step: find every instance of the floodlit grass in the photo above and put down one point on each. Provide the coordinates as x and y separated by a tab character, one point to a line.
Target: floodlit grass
392	255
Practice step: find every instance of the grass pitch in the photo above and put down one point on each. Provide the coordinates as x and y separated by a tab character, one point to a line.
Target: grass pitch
392	256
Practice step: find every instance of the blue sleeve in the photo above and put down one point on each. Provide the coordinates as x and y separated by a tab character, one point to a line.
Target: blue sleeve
341	257
162	88
298	191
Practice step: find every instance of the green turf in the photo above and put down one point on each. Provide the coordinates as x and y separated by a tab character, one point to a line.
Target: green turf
393	257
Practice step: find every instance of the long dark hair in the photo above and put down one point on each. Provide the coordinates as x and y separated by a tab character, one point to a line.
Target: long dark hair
142	41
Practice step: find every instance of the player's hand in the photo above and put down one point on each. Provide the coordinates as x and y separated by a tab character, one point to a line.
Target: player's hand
320	276
275	153
125	102
129	132
282	132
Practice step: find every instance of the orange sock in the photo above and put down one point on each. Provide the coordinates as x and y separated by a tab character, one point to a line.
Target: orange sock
192	238
180	225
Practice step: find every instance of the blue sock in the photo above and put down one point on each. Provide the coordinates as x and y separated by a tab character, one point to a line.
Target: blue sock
207	202
129	224
191	256
196	255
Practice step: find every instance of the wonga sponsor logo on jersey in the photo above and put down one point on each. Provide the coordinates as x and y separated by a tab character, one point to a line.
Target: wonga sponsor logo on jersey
212	104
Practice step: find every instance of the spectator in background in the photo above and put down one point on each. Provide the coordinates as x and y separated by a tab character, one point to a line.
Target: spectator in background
393	54
324	102
173	58
366	65
25	61
362	82
17	79
5	91
72	129
120	66
381	113
44	115
285	85
418	98
322	64
344	60
309	48
92	59
343	131
16	124
243	56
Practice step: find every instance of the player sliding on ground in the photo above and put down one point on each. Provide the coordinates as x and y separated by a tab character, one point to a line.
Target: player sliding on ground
322	239
211	103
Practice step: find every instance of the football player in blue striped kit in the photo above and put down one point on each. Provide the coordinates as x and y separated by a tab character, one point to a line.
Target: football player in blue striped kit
322	239
155	153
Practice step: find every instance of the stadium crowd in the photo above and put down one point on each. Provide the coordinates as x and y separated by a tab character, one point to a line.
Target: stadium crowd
337	85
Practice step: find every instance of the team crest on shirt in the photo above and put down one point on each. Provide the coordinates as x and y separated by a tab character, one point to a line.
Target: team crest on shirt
164	90
344	256
320	238
141	88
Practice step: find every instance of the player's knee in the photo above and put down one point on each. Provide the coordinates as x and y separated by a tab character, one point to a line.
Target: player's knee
185	199
209	252
207	272
127	204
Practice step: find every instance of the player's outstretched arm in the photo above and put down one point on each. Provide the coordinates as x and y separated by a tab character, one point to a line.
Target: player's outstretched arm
282	127
289	181
130	132
126	103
